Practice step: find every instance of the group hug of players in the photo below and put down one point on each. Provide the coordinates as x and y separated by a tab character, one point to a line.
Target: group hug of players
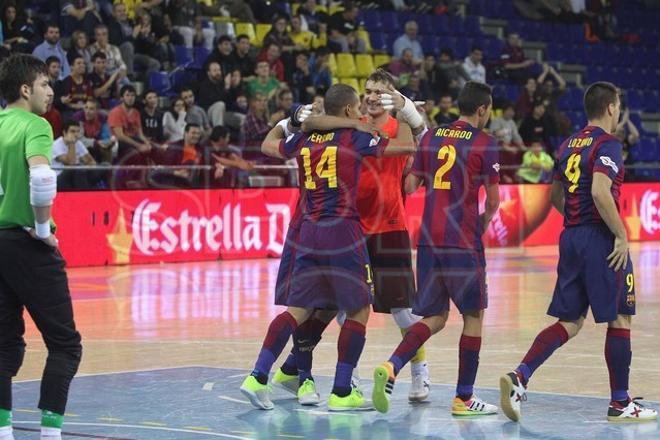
347	247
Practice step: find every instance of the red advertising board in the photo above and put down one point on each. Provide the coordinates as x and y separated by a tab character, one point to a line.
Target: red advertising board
98	228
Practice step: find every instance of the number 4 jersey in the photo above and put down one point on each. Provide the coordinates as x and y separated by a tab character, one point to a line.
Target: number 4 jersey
329	164
589	151
454	161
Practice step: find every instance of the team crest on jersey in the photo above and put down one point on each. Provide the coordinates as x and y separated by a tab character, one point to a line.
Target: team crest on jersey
609	163
496	167
630	299
374	141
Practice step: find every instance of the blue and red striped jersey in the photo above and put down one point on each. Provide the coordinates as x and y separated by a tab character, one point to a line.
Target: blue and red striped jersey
329	164
454	161
589	151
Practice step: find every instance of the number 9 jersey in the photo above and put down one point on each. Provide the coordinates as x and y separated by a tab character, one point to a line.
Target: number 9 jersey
589	151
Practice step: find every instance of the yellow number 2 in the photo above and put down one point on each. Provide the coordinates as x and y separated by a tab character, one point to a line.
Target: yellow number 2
325	169
572	172
630	281
446	152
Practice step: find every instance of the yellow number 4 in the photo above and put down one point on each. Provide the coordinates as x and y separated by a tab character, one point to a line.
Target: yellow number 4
572	172
446	152
325	169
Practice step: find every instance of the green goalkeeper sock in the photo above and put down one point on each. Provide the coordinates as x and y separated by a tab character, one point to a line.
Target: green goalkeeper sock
5	417
50	419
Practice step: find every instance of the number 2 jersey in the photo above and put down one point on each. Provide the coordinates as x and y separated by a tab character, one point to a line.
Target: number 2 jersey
454	161
589	151
329	164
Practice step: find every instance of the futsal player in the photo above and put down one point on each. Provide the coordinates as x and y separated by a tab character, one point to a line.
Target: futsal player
594	268
331	268
32	271
453	162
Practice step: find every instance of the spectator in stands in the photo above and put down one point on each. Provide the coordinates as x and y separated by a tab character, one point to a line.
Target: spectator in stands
302	39
114	60
279	35
244	59
51	47
271	54
149	54
536	125
72	92
54	118
69	150
152	118
282	104
603	21
300	81
409	41
312	20
432	77
54	70
213	92
508	138
236	110
79	45
342	30
126	125
473	66
96	134
194	113
186	151
256	127
264	83
453	73
536	164
238	10
166	39
79	14
627	133
525	101
402	68
104	85
320	70
225	159
447	115
517	67
222	54
186	18
16	32
174	120
550	95
415	89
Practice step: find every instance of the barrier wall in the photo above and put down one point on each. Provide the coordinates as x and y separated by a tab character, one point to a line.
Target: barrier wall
99	228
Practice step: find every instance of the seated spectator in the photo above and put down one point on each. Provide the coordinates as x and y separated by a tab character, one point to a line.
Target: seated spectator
166	39
301	80
281	106
517	67
187	20
537	126
525	101
447	115
104	85
236	9
271	54
152	118
174	121
432	77
226	161
244	59
72	92
279	35
237	104
505	131
114	60
79	14
51	47
342	30
256	127
627	133
473	66
222	54
409	41
453	72
184	152
302	39
68	150
312	19
194	113
96	134
54	70
264	83
79	46
401	69
149	54
536	164
550	95
54	118
416	90
16	32
320	71
213	92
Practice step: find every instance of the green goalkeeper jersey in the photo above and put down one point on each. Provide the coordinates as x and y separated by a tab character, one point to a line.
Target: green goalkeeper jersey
22	136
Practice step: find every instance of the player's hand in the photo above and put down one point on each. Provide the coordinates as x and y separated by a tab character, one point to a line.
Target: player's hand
302	113
51	240
618	259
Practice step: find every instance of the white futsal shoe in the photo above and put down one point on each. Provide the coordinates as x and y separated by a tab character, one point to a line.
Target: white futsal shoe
512	394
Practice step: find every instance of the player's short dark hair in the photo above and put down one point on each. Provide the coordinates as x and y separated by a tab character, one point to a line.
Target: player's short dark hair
338	97
186	89
73	55
222	39
381	75
473	96
598	96
241	37
99	54
218	132
68	124
127	88
18	70
146	92
190	125
52	59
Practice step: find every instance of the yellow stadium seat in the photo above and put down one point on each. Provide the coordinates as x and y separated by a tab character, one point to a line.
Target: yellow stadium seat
332	64
321	8
262	30
364	64
381	59
335	8
247	29
363	84
294	8
346	65
364	35
335	80
353	82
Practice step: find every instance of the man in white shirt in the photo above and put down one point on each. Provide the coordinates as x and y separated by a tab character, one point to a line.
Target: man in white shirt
409	41
69	150
473	66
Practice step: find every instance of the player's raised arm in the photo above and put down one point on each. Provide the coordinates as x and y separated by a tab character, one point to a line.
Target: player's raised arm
407	109
327	122
271	144
602	195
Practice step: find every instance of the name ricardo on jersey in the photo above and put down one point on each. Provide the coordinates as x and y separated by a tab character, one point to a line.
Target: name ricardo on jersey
452	133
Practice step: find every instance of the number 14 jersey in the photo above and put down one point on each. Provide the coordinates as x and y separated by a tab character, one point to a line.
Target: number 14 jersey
589	151
454	161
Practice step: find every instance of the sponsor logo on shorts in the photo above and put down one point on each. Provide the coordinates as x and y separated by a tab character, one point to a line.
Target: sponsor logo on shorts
609	163
650	211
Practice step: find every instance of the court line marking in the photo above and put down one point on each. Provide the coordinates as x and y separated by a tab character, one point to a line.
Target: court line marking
315	412
208	386
145	370
232	399
74	434
152	428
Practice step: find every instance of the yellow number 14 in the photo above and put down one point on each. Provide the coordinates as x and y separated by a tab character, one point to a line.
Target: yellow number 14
325	169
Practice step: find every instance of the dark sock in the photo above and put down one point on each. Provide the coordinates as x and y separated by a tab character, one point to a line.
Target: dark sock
416	336
468	363
349	348
278	334
544	345
305	339
618	356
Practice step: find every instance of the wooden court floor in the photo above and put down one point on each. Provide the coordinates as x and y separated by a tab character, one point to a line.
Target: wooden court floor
215	314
